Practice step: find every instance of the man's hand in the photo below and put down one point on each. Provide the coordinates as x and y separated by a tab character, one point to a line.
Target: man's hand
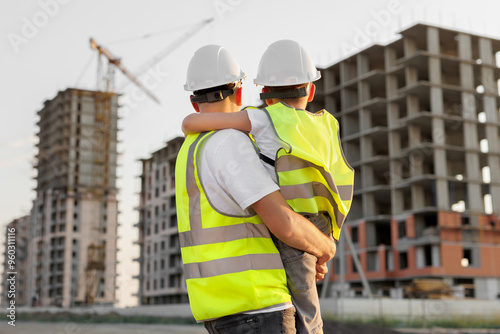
328	256
321	270
292	228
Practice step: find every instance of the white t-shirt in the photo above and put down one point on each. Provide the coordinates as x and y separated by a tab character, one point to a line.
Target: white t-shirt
232	174
265	137
234	178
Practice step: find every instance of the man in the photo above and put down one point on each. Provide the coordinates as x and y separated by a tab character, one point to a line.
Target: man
310	167
234	274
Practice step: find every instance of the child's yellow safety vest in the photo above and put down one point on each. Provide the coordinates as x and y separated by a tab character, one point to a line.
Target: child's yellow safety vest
312	171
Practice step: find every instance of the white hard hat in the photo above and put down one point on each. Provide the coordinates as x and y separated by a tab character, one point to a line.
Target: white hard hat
286	63
212	66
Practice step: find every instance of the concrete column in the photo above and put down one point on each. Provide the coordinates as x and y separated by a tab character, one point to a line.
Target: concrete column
442	195
433	40
368	205
392	115
362	64
343	99
472	167
417	197
370	235
488	81
464	46
436	256
412	105
490	108
493	137
495	181
367	176
394	165
409	46
411	75
391	85
474	194
485	51
365	119
390	58
397	201
438	132
419	257
363	91
366	147
414	137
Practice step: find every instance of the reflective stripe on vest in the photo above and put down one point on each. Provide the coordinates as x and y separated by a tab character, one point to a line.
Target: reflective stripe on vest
231	264
312	173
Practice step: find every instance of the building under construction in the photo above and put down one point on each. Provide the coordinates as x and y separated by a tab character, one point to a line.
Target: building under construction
420	124
160	277
72	249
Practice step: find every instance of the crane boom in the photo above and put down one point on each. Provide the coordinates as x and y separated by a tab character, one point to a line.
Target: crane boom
117	63
171	47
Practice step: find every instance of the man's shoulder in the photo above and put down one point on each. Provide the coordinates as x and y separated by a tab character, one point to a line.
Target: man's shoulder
226	138
227	135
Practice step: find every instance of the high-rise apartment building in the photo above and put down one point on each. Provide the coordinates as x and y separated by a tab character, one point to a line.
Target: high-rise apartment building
420	124
161	278
72	248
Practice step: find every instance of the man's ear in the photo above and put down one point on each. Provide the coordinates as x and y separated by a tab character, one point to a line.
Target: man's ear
269	102
239	100
311	93
195	105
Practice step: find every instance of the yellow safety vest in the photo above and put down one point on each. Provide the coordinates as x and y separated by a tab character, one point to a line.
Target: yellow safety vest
231	264
312	172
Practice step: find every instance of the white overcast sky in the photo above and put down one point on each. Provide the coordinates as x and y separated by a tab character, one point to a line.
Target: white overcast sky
44	48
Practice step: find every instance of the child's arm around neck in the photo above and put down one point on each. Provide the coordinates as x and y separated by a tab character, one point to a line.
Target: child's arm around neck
201	122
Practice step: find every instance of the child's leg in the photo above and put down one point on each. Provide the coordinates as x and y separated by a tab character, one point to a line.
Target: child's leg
300	268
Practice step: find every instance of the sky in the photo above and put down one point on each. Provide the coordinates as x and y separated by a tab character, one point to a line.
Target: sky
44	48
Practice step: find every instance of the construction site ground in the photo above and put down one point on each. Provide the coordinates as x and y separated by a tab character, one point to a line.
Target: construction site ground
330	327
75	328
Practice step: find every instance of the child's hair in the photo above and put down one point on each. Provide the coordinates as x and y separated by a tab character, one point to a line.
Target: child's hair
291	87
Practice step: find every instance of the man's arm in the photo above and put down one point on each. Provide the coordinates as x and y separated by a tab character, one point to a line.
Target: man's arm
195	123
293	229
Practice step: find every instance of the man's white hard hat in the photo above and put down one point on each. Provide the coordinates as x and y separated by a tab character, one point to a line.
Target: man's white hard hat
212	66
286	63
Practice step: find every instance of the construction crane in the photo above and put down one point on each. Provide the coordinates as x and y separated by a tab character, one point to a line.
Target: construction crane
109	78
95	267
170	48
106	81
